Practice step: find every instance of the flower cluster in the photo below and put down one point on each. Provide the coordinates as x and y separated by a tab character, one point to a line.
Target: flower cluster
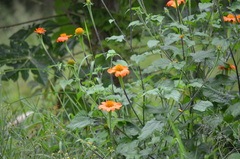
172	3
232	18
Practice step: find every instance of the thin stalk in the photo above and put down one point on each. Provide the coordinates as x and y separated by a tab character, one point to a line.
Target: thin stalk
68	50
130	103
84	51
94	25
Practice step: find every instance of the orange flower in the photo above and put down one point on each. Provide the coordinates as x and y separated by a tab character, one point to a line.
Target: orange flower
227	66
63	37
79	31
231	18
40	30
119	70
110	106
172	3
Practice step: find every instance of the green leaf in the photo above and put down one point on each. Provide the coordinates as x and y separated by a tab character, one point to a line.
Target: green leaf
111	53
234	156
120	62
203	6
131	129
119	38
214	120
171	38
174	94
95	89
200	56
223	43
129	150
64	83
217	96
179	26
41	76
135	23
235	6
202	105
157	65
152	43
139	58
234	110
80	121
152	92
150	127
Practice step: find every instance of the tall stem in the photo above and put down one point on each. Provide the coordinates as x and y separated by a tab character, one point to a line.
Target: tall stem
130	103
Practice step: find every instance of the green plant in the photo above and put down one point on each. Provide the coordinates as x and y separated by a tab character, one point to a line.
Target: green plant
176	85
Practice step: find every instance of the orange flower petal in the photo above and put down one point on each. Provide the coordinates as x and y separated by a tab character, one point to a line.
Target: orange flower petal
119	70
40	30
63	37
110	106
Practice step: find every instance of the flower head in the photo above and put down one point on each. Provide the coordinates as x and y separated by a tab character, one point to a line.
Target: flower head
172	3
232	18
40	30
110	106
119	70
63	37
79	31
227	66
71	62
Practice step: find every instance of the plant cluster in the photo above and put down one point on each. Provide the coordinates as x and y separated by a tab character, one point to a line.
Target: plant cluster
165	86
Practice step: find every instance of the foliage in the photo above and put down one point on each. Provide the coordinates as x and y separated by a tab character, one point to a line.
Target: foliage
173	75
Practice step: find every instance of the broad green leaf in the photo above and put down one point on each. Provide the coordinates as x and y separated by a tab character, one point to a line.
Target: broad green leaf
202	105
195	84
41	76
234	156
129	150
171	38
203	6
152	92
234	110
150	127
139	58
131	129
64	83
120	62
223	43
214	120
157	65
158	18
200	56
80	121
202	16
119	38
235	6
179	26
135	23
95	89
217	96
174	94
152	43
111	53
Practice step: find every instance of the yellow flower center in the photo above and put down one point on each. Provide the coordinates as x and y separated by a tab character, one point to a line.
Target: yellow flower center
79	31
109	104
119	68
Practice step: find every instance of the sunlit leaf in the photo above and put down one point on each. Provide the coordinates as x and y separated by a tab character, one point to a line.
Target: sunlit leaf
119	38
202	106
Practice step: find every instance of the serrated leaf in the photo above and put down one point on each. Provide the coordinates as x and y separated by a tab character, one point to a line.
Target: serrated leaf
203	6
41	77
234	156
200	56
152	43
139	58
119	38
179	26
129	150
95	89
80	121
64	83
202	105
234	110
152	92
150	127
171	38
174	94
235	6
111	53
223	43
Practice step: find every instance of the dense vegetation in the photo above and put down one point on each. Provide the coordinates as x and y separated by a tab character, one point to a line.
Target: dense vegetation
124	79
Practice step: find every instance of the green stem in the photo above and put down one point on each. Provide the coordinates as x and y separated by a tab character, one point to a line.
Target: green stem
84	51
130	103
68	50
44	47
